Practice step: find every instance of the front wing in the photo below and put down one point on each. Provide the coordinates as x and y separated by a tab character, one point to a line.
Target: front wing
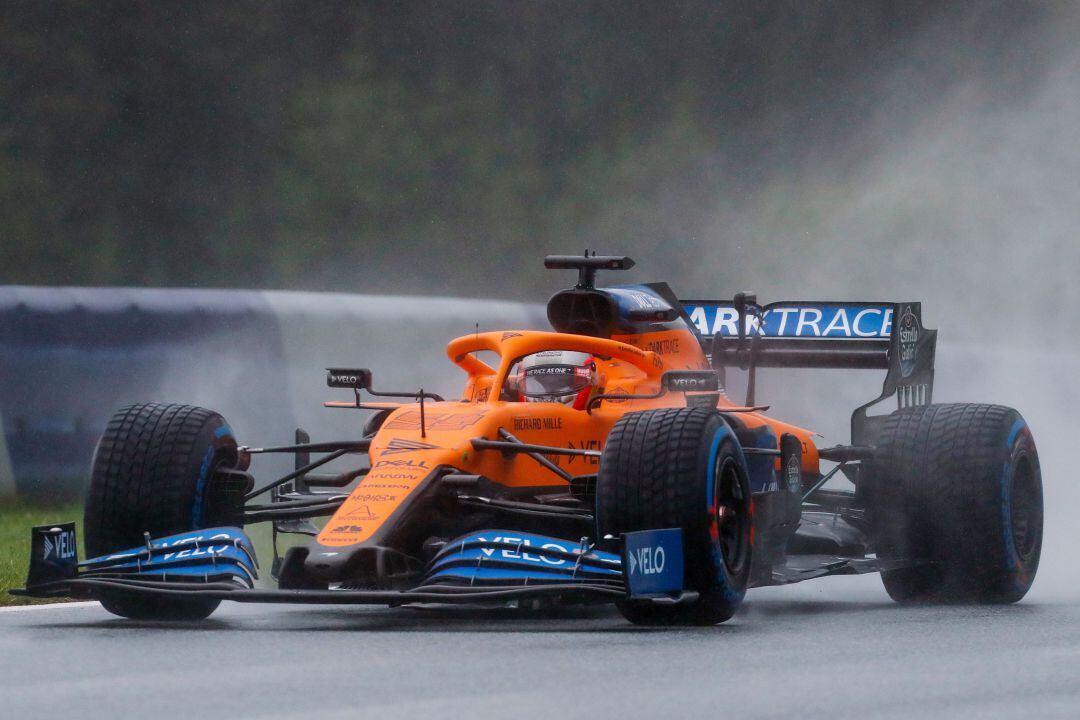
486	566
489	566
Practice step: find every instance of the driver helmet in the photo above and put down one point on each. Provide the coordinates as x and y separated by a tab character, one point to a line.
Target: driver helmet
557	376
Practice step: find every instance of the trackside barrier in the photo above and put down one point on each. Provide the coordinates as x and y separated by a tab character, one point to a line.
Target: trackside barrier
69	357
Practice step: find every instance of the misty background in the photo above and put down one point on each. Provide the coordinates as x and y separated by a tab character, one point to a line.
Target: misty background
837	150
441	147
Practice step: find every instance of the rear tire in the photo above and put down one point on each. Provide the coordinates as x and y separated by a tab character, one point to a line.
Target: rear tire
151	472
959	488
681	468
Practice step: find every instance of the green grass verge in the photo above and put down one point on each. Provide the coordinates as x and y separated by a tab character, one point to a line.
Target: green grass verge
15	524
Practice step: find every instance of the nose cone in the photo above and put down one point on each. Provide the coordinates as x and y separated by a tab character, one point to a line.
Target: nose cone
361	567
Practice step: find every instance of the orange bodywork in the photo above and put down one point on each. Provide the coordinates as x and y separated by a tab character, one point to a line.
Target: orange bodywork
403	455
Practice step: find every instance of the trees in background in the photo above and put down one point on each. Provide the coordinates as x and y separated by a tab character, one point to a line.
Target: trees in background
376	146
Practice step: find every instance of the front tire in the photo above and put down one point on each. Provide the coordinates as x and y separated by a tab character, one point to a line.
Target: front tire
958	488
683	468
151	473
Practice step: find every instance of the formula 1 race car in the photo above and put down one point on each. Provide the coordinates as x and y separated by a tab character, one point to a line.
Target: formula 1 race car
601	462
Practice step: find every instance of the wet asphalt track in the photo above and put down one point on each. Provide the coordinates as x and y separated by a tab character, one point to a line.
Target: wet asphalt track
834	648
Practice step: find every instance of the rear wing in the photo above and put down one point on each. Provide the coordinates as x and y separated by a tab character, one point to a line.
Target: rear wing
822	334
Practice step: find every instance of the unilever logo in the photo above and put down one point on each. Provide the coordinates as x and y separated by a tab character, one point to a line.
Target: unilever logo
794	473
908	335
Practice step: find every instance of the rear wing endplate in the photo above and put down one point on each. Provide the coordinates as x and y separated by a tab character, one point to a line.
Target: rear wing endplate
822	334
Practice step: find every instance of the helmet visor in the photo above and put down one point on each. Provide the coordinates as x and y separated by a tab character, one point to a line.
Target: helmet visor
554	380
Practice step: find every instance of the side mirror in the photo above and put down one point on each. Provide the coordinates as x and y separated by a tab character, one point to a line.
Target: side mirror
355	379
684	381
690	381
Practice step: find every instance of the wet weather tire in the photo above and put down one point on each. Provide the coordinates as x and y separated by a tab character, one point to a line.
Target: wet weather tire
958	487
681	468
150	474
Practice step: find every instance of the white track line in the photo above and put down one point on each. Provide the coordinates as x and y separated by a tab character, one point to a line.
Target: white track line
50	606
